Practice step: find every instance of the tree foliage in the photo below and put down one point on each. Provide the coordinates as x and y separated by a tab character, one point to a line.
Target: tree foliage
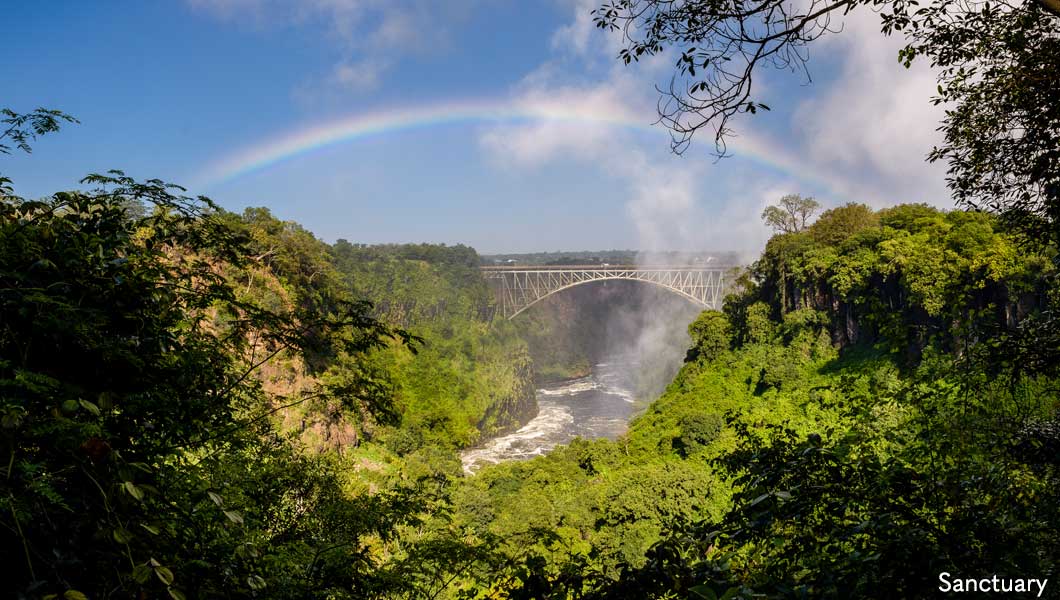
791	214
837	224
711	335
906	274
22	128
997	65
141	459
721	46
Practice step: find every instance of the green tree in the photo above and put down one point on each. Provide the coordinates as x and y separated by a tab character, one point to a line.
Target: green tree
21	129
996	65
791	214
837	224
760	328
909	217
140	456
697	430
711	335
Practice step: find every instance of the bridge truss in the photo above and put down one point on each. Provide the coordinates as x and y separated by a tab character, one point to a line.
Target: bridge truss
520	287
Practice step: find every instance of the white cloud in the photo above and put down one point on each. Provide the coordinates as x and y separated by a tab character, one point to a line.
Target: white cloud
368	36
862	137
870	131
577	35
358	76
667	198
862	132
592	138
590	48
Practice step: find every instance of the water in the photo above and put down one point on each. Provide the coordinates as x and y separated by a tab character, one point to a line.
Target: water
599	405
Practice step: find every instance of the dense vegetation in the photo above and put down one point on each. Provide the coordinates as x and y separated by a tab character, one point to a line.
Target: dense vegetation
185	392
229	417
836	432
196	403
141	455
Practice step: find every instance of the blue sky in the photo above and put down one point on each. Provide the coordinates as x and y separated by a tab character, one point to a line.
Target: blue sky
175	89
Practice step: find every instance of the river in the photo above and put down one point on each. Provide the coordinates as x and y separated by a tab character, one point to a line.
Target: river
595	406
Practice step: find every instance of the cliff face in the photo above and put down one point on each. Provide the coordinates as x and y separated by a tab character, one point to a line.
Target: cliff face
464	377
906	276
559	334
514	404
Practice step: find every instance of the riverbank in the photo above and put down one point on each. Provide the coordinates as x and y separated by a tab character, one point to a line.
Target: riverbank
596	405
556	374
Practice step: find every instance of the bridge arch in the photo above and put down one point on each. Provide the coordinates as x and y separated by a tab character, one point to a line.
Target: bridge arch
519	288
567	287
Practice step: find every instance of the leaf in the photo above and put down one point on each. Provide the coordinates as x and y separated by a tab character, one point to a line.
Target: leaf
92	408
246	550
164	574
758	499
234	517
12	417
215	497
702	591
122	535
105	400
256	582
74	595
141	573
150	528
176	594
133	491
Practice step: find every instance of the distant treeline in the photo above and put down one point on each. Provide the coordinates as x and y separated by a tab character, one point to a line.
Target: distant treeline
438	254
613	257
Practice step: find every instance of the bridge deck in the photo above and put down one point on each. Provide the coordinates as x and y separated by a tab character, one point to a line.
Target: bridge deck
518	287
702	267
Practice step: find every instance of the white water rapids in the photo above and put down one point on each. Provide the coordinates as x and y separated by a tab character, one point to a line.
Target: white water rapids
599	405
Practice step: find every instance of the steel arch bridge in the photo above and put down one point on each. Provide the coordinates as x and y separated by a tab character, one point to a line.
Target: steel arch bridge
520	287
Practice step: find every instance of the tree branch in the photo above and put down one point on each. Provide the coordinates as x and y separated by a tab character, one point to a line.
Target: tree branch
1050	6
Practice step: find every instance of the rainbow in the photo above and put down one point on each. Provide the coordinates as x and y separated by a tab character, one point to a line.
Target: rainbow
263	155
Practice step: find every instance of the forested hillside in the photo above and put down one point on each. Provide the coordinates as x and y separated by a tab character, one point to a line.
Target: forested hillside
224	404
196	403
199	403
851	425
143	459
